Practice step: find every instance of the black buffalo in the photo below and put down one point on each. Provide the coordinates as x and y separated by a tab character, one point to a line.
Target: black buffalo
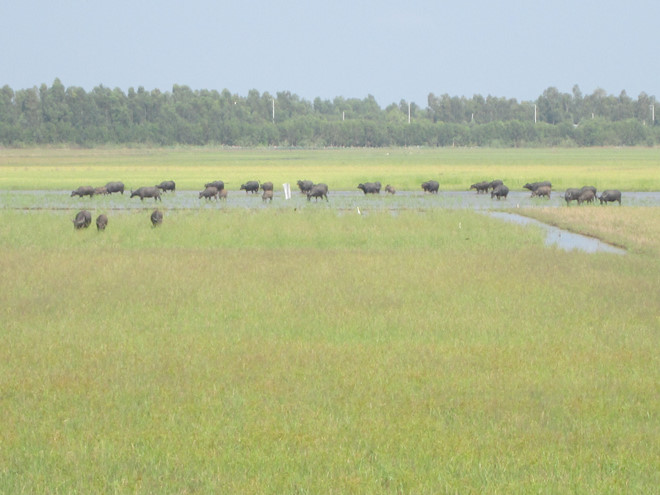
430	186
572	194
533	186
83	220
147	192
318	191
305	186
209	192
167	185
481	187
610	195
156	218
590	188
542	191
250	186
370	187
586	196
218	184
113	187
83	191
494	183
101	222
499	192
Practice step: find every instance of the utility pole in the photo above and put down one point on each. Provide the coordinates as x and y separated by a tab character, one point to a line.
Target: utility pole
652	114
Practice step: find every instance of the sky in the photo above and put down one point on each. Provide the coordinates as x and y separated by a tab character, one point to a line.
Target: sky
393	50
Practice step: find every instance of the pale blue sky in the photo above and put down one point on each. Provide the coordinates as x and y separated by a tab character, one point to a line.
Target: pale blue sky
393	50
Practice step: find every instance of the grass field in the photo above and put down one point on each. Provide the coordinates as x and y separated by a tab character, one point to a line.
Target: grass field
627	169
315	351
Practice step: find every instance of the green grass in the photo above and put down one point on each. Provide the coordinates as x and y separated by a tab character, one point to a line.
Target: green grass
628	169
321	352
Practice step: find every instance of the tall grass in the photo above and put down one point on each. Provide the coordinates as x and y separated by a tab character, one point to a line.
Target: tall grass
342	169
316	352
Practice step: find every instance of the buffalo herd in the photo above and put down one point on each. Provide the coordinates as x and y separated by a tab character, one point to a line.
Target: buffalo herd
216	190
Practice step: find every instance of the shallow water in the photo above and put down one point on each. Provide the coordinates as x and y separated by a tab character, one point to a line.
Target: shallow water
561	238
341	200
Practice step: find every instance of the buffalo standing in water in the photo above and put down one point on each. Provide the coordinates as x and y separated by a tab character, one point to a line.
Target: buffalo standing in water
572	194
318	191
101	222
267	195
113	187
500	191
305	186
542	191
370	187
430	186
481	187
494	183
209	192
83	191
587	195
218	184
390	189
167	185
610	195
535	185
251	186
83	220
147	192
156	218
267	186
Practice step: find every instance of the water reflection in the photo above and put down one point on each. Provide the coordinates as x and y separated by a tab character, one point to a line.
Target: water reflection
563	239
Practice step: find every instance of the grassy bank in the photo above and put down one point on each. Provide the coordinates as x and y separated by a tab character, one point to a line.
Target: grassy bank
628	169
317	352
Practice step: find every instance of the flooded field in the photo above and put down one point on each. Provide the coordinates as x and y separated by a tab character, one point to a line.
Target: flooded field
340	200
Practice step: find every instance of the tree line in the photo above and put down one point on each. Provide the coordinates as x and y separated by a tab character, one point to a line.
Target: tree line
56	114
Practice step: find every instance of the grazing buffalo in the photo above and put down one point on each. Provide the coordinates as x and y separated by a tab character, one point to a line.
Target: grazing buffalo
267	195
209	192
590	188
535	185
101	190
370	187
610	195
250	186
218	184
390	189
83	220
430	186
156	218
305	186
222	194
586	196
318	191
83	191
481	187
542	191
167	185
494	183
572	194
113	187
499	192
147	192
101	222
267	186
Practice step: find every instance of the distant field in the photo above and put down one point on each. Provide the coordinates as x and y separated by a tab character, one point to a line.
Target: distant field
631	169
317	350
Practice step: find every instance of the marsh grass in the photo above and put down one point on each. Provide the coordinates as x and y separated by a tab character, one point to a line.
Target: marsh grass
628	169
317	352
636	229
